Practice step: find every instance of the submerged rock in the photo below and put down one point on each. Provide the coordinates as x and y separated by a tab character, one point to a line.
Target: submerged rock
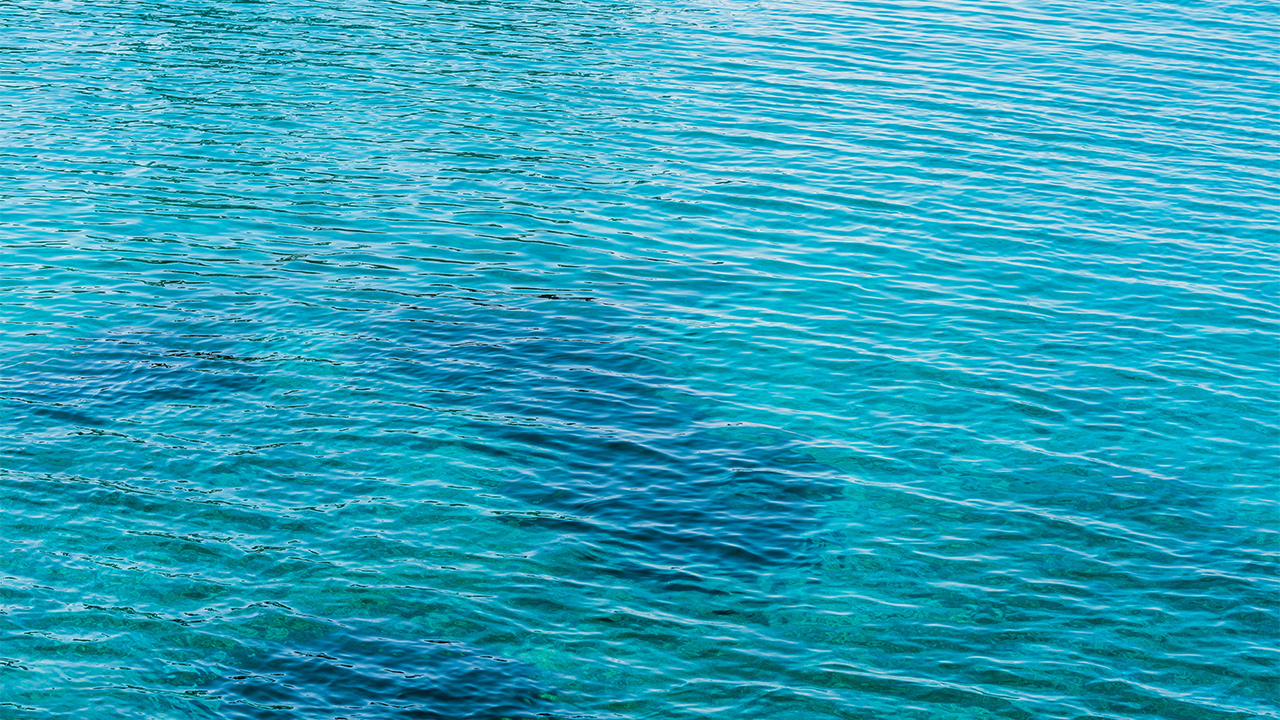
607	443
376	678
98	381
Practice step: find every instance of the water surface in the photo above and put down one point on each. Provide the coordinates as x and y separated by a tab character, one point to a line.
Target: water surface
592	359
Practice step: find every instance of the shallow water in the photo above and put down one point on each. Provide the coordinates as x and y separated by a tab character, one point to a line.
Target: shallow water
593	359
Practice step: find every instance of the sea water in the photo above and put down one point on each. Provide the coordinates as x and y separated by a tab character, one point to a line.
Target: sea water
621	359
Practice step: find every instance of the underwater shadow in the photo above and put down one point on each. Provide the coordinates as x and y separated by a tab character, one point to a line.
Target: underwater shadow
369	677
602	441
95	381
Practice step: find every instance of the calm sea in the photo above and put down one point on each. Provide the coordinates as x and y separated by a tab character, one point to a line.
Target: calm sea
625	359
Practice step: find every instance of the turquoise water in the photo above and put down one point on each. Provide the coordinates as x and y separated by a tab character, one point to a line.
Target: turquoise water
604	359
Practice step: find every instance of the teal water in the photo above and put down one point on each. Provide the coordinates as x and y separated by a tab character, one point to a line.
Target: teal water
607	359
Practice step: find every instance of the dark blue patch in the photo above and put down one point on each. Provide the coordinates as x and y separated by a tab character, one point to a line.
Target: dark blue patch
95	382
608	443
377	678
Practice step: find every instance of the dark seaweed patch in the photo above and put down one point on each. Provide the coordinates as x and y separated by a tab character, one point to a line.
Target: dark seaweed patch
369	677
95	382
597	431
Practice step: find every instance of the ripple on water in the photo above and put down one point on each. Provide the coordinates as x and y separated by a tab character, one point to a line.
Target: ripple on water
598	359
